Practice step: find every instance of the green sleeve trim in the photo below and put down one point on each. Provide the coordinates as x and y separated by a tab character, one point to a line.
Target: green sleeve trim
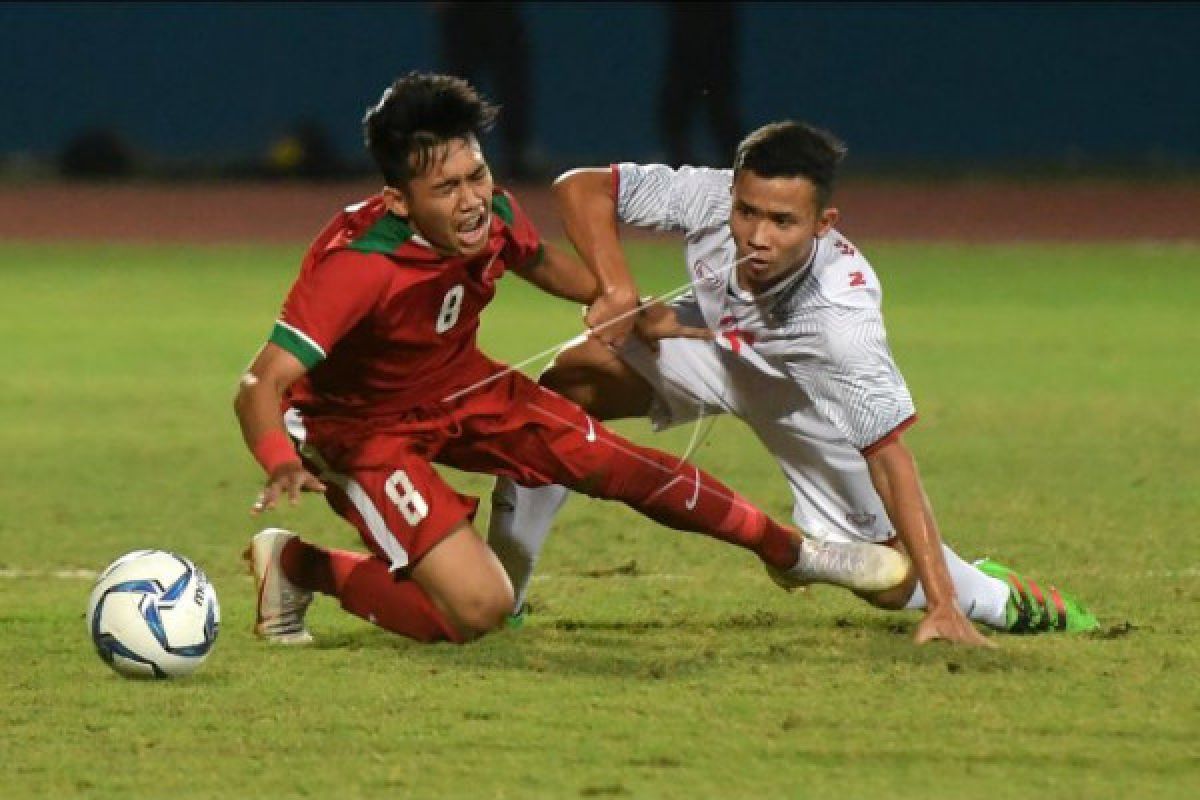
502	208
298	343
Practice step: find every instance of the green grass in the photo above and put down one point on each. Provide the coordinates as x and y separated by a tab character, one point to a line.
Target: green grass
1060	402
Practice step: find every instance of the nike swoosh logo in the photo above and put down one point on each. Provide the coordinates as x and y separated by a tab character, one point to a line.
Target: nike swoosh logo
690	505
591	431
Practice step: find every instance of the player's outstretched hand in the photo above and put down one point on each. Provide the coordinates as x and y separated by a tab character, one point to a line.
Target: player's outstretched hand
950	625
656	321
612	315
288	479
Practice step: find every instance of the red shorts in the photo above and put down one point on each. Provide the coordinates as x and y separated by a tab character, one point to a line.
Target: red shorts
380	474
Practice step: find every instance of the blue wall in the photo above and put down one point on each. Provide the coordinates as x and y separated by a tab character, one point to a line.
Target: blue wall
902	83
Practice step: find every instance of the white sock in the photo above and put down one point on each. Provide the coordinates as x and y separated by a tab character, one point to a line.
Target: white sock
520	522
981	597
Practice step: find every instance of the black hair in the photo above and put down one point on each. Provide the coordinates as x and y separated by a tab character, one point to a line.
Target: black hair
418	114
791	149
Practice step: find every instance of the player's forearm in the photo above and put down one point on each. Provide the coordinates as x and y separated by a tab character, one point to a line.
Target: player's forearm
256	405
563	276
589	213
894	472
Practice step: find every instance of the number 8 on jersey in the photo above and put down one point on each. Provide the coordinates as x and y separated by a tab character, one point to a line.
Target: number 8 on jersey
451	306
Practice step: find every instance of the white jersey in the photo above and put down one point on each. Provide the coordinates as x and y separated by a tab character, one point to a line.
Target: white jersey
822	328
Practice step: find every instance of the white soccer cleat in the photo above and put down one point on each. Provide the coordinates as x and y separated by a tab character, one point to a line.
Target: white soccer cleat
858	566
281	604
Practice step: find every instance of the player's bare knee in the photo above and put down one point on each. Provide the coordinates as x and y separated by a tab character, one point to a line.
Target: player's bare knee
483	612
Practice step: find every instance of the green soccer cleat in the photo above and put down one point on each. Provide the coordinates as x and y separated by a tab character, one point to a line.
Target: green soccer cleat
1032	610
516	620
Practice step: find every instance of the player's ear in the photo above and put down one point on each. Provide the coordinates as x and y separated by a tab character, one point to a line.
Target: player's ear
396	201
826	221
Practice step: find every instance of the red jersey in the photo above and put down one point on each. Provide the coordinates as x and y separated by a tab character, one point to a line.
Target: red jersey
384	323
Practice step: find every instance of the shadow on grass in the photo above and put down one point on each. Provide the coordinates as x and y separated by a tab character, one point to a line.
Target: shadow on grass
688	646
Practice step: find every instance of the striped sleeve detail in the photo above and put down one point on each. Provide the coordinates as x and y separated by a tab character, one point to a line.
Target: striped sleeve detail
854	382
298	343
685	199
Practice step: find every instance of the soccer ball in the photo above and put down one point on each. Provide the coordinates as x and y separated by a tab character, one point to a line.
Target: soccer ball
153	614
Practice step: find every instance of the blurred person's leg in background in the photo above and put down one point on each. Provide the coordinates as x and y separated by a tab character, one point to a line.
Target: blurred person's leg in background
701	73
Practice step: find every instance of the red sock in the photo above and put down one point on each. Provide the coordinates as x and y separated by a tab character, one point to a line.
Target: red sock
394	603
368	589
685	497
308	566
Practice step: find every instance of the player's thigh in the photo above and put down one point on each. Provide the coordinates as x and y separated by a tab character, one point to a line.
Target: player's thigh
833	496
594	377
401	510
536	437
465	580
688	378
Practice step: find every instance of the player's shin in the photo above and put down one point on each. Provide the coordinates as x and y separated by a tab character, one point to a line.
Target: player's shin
520	523
395	603
368	589
684	497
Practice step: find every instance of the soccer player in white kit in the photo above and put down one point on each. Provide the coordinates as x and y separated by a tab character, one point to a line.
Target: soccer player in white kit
783	328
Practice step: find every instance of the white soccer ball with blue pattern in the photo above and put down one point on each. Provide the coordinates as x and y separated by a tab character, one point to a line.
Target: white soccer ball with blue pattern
153	614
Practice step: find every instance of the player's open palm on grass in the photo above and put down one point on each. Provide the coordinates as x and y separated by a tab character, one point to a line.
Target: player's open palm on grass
948	624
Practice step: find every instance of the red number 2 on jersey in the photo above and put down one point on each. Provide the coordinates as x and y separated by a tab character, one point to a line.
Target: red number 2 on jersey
857	279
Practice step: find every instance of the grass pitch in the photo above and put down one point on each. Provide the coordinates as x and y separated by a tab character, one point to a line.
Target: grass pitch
1060	405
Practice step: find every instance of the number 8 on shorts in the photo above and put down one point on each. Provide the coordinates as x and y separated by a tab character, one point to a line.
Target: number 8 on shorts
406	498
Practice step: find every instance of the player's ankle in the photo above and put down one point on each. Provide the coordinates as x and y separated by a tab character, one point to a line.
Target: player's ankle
779	546
307	566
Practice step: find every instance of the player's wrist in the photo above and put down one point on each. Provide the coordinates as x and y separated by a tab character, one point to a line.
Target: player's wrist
274	450
622	293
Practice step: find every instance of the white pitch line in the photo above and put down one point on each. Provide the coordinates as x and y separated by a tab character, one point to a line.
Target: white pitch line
62	574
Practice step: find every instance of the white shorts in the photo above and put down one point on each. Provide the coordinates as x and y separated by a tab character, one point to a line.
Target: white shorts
833	496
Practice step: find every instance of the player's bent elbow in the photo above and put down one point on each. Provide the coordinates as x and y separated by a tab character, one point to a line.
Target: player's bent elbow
241	399
566	181
247	385
574	185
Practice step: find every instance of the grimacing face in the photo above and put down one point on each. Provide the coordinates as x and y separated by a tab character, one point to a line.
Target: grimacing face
775	221
450	203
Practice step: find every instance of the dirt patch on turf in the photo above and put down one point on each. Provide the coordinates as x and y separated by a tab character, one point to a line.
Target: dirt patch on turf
949	211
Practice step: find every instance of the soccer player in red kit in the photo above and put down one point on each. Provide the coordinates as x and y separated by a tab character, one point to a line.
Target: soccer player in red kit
372	373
